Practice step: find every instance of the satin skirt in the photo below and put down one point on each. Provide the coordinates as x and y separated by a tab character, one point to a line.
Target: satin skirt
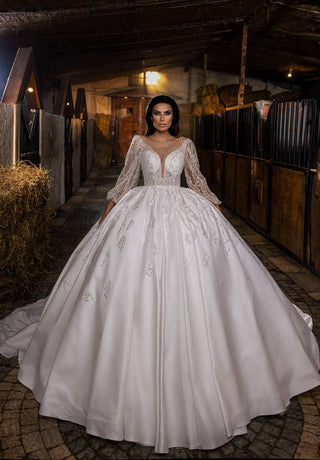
165	329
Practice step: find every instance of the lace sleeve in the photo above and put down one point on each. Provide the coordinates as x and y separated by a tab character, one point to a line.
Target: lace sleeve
129	175
195	180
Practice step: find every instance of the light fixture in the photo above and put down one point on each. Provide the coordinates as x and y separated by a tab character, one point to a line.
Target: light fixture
152	78
125	97
290	73
30	89
68	103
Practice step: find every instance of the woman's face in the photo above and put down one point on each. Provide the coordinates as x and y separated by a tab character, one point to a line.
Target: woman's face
162	117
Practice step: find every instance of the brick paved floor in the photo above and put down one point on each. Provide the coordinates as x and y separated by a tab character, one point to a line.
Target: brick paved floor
26	434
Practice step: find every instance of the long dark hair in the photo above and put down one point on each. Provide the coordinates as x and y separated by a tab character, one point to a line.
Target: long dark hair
174	128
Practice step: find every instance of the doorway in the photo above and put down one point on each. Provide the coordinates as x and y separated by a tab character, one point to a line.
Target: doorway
128	119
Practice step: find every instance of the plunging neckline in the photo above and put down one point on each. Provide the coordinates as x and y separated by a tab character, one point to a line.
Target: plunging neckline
163	161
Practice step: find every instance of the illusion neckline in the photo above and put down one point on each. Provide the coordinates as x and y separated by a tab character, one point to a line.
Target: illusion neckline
163	159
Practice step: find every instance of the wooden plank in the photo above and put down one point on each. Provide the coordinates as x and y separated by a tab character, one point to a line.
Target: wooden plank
259	193
6	135
76	157
288	208
217	172
206	163
51	149
242	186
313	256
243	64
229	180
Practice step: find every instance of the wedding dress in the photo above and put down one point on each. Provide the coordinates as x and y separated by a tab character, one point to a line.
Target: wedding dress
164	328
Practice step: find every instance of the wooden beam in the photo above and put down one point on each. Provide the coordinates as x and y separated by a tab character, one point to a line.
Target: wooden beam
22	72
64	96
243	64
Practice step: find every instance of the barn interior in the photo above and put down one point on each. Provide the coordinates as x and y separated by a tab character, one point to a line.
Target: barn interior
75	81
235	69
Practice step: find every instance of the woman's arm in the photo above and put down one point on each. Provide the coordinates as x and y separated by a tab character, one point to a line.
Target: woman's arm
130	173
127	179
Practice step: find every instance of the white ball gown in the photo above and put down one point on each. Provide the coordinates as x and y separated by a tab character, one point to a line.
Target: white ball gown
164	328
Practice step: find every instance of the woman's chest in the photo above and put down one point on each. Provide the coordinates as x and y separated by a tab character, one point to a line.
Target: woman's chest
153	163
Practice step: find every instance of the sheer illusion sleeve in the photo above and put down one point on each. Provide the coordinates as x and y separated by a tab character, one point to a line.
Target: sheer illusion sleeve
195	180
130	173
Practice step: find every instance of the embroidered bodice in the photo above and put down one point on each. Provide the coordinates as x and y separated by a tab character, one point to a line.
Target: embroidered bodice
162	169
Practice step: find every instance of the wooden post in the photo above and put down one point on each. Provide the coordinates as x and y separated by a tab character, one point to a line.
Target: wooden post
16	133
243	64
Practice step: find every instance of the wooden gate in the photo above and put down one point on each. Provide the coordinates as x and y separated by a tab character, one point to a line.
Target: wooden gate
29	134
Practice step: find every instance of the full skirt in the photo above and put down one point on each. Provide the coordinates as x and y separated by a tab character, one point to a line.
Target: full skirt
164	328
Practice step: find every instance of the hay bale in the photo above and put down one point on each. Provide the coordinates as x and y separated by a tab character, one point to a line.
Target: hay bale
24	229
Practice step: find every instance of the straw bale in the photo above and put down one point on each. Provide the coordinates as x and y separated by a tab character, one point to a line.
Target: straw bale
24	228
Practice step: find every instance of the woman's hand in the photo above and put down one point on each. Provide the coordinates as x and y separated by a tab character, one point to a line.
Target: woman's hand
218	207
107	210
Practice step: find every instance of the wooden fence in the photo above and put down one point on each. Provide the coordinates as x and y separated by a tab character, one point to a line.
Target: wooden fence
267	170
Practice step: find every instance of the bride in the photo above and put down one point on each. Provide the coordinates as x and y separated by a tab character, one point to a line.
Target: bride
163	328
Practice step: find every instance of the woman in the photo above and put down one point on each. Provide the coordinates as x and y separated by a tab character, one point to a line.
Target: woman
164	328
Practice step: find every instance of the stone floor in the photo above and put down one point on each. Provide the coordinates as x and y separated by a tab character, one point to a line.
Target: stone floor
26	434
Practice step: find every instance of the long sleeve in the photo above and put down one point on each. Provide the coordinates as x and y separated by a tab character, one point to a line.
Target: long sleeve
130	173
195	180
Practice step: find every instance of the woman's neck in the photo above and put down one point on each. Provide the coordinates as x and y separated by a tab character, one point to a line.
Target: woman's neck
162	136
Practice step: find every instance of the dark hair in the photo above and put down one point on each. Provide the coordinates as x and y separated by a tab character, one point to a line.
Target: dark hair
174	128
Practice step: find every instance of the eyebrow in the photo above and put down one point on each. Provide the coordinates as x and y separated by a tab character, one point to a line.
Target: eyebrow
166	111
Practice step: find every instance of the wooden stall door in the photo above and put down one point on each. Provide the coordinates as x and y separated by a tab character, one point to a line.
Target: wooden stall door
288	205
259	193
29	129
242	186
313	251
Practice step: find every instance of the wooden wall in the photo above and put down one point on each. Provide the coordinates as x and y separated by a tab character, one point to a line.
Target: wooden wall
273	185
259	196
51	149
76	159
90	145
271	197
242	182
313	248
287	211
10	124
